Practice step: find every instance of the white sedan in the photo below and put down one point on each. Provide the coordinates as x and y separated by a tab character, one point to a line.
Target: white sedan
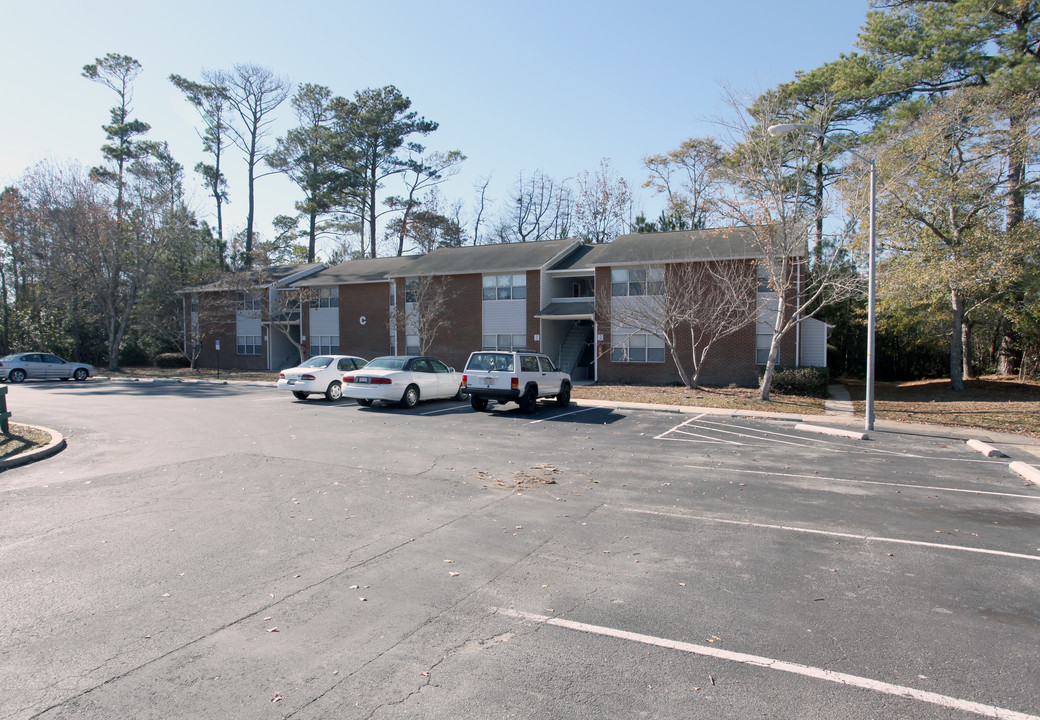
320	375
402	379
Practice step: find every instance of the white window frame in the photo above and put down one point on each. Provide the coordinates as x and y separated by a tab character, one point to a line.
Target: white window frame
324	345
636	348
411	344
248	302
504	287
328	297
628	282
504	341
248	345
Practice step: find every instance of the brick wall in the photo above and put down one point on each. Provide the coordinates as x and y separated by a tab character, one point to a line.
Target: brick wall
457	339
217	322
370	301
731	360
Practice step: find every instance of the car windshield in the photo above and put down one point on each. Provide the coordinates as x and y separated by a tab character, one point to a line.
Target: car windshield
317	362
386	363
491	361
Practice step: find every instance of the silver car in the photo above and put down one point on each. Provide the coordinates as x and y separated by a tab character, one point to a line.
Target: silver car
20	366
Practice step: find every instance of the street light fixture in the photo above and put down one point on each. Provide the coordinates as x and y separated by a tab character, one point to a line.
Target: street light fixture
777	131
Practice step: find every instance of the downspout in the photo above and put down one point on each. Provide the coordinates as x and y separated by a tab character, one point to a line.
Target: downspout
798	326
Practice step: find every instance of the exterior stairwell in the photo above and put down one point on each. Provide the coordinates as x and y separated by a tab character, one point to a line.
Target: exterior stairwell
572	347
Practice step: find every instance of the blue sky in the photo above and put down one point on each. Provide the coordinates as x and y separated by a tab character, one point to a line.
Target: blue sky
550	86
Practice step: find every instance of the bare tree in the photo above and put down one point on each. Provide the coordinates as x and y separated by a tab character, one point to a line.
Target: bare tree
765	192
426	310
254	93
538	209
689	178
603	206
707	300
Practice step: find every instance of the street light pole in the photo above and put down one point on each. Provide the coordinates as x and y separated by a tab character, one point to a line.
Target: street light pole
783	129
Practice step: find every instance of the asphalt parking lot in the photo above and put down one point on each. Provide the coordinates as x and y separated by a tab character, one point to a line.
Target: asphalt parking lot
227	551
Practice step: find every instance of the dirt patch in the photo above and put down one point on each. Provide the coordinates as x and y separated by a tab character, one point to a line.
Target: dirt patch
535	476
994	402
22	438
730	398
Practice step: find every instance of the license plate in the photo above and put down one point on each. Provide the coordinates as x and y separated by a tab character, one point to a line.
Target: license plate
362	380
488	381
292	382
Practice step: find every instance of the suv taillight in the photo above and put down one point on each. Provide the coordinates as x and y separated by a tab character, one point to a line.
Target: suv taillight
514	383
463	380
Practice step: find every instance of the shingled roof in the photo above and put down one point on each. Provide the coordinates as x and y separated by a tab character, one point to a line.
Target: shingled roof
366	270
732	243
507	257
263	276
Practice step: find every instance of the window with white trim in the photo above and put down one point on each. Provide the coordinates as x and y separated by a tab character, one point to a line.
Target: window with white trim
245	302
393	294
505	287
248	344
324	344
503	342
411	290
636	281
762	343
411	345
638	348
326	297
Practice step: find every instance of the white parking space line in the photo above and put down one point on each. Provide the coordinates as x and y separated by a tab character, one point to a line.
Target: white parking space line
808	671
453	408
908	486
764	436
572	412
831	533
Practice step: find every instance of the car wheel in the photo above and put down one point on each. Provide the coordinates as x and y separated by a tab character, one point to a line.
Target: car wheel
563	399
300	395
478	403
528	399
410	398
16	376
364	402
458	393
335	391
80	374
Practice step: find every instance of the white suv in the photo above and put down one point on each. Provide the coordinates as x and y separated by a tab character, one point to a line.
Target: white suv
518	376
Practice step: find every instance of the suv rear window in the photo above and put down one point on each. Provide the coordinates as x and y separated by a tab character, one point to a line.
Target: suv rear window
491	361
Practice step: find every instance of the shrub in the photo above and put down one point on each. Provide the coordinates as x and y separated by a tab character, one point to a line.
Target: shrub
806	381
171	360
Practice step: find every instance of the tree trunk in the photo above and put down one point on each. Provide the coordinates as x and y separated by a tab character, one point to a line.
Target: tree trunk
312	239
957	341
686	380
767	376
966	329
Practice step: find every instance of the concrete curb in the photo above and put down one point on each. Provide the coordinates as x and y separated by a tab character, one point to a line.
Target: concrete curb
1030	473
832	431
984	448
55	446
684	409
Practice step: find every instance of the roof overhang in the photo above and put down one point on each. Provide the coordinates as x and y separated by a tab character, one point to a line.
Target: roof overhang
568	310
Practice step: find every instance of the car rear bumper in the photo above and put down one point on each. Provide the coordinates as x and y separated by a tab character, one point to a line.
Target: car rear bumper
390	393
492	394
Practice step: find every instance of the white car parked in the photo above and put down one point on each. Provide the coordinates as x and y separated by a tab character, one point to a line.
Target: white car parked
402	379
322	374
